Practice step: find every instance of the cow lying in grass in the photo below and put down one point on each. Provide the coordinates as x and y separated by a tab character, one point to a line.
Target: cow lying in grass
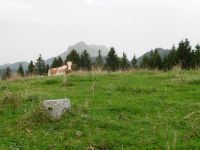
61	70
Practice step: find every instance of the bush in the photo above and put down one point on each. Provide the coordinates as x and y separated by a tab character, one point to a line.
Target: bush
3	87
32	97
11	101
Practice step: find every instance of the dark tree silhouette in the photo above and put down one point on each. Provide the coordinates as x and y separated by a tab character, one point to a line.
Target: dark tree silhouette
6	74
31	67
145	62
20	70
54	64
197	53
112	60
184	54
134	61
74	57
172	58
99	59
40	67
86	62
124	63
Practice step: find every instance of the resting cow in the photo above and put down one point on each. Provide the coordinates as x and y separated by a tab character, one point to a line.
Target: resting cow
60	70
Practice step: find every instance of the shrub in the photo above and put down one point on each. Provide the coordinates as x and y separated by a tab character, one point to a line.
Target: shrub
3	87
32	97
11	100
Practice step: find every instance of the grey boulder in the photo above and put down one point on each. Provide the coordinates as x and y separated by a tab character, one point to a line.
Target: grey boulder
56	108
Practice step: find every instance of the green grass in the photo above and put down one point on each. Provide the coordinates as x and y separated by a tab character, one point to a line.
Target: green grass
125	111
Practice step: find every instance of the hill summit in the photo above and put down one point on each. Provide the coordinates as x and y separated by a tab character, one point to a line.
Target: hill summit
80	47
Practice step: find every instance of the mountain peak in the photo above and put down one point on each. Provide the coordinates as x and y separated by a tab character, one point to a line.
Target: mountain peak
80	47
91	49
81	43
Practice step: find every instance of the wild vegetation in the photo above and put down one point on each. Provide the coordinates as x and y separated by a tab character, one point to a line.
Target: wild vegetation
110	110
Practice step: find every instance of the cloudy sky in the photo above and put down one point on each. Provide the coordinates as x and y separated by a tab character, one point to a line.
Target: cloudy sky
31	27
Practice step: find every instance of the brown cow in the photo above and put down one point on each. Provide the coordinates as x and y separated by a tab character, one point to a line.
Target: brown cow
60	70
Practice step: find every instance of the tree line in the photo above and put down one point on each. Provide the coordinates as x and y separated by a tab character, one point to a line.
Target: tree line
183	55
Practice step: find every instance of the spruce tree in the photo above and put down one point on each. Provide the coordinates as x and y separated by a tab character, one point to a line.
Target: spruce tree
165	63
59	62
112	60
47	69
157	60
40	66
124	63
193	59
134	61
172	58
197	53
151	59
86	62
31	67
99	59
145	62
20	70
74	57
7	74
184	54
54	64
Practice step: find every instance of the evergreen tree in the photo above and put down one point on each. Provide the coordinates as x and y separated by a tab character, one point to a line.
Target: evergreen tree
54	63
20	70
157	60
134	61
172	58
112	60
99	59
47	69
31	68
40	66
124	63
74	57
184	54
197	53
165	63
59	62
7	74
145	62
193	59
86	62
151	59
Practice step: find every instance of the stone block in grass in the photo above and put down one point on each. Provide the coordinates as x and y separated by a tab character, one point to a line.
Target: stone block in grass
56	108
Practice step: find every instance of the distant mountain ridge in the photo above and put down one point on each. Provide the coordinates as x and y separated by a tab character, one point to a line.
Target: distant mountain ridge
79	47
15	66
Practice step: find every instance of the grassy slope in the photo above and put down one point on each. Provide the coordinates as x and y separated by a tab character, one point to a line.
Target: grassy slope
141	110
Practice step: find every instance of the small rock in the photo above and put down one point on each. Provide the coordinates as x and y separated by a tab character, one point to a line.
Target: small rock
90	148
78	133
56	108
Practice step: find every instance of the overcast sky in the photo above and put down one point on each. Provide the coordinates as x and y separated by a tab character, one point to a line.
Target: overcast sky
31	27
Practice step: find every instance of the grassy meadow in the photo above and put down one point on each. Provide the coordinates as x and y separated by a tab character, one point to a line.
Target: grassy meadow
121	111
